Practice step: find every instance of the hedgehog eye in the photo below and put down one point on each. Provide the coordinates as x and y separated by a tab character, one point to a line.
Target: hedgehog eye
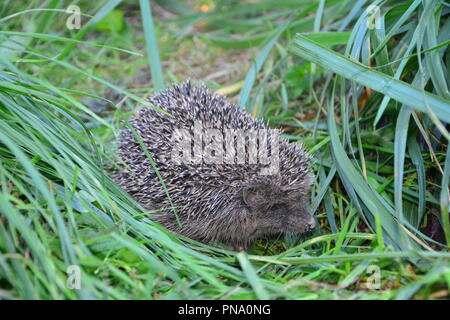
276	206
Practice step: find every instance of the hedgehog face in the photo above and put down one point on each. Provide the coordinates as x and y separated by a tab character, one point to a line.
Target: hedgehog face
277	209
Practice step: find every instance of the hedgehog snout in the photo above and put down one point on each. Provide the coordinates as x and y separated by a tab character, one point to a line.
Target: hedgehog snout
300	220
310	223
307	221
305	224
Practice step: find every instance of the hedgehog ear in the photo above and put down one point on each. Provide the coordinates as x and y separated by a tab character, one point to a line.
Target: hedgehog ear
254	196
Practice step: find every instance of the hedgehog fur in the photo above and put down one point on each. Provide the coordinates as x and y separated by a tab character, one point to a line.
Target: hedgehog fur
232	202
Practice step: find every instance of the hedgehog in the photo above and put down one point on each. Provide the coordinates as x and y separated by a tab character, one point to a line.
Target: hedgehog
209	171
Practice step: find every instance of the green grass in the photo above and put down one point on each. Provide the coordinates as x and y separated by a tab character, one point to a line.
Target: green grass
371	105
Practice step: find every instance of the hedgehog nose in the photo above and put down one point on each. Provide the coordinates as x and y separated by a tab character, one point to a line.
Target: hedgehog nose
311	223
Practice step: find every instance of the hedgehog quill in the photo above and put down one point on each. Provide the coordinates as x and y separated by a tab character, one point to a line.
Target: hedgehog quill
230	177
